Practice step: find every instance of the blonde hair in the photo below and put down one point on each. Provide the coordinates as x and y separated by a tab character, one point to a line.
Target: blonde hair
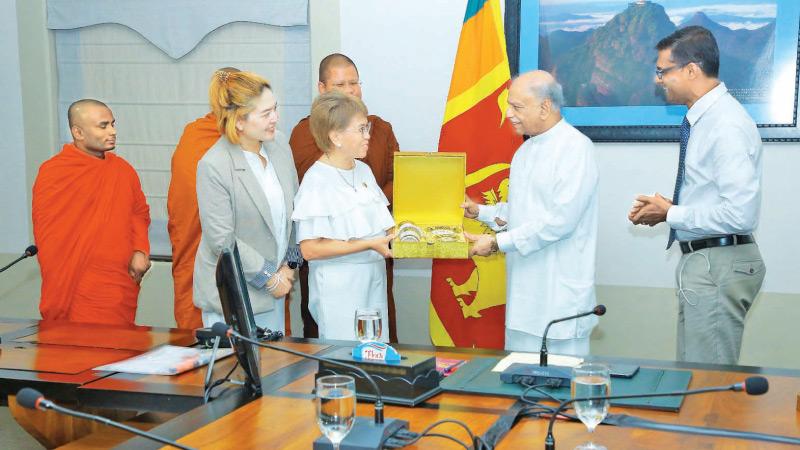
231	95
333	111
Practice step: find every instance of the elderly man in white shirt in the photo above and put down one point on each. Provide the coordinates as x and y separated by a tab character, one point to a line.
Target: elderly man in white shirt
716	203
548	227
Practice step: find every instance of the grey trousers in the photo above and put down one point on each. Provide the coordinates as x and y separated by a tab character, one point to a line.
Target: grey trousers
716	288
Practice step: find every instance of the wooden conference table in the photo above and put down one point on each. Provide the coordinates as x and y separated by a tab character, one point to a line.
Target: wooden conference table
285	416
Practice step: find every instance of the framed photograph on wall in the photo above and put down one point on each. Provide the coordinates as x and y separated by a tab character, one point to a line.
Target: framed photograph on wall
603	54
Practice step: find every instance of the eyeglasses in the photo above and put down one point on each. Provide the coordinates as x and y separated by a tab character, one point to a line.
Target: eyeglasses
660	72
364	130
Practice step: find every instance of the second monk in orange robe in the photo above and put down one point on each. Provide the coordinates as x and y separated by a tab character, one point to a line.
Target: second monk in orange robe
184	220
183	223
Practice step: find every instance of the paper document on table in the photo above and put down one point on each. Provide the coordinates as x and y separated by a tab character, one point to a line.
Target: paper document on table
165	360
533	358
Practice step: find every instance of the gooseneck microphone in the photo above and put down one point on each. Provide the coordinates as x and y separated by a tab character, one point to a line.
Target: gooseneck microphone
365	436
33	399
752	385
542	374
598	310
30	251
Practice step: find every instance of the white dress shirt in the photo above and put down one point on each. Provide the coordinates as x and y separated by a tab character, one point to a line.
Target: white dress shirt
721	192
551	236
268	180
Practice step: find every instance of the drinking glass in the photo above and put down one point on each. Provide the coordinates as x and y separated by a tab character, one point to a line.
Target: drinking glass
369	324
591	380
336	406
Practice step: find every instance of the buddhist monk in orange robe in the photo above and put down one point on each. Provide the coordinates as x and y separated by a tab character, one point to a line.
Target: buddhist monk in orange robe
90	221
338	72
183	223
184	220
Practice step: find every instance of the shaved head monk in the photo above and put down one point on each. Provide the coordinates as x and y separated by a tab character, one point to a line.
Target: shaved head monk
183	217
90	221
337	72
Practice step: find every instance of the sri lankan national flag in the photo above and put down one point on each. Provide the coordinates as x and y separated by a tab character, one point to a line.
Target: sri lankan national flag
468	297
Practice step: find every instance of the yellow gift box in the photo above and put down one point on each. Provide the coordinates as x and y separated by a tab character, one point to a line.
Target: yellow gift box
428	191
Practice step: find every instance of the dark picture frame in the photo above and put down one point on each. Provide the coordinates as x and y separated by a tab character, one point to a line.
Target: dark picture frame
522	36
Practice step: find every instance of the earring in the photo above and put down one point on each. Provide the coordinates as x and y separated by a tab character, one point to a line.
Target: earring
339	145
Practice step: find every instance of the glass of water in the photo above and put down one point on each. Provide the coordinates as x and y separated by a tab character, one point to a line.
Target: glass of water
591	380
336	406
369	324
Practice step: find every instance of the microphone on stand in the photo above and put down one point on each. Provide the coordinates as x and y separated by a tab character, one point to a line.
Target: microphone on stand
552	376
598	310
30	251
752	385
33	399
364	434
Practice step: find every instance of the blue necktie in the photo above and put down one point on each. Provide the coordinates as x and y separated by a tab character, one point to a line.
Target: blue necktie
685	130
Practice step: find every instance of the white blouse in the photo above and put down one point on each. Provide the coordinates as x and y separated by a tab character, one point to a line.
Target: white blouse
340	204
268	180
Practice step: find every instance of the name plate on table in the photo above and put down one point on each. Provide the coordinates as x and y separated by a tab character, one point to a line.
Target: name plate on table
375	351
408	381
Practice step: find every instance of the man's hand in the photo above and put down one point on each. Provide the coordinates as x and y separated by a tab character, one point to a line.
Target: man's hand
138	266
470	208
649	210
482	244
284	286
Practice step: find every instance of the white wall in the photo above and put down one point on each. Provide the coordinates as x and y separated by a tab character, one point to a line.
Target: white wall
13	191
405	59
404	52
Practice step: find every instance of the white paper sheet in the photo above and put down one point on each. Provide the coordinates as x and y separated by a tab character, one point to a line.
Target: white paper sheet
533	358
165	360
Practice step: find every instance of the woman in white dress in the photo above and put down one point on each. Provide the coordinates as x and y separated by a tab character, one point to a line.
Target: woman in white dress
342	220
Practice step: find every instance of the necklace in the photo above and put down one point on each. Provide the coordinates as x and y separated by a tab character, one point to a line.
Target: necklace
339	171
353	184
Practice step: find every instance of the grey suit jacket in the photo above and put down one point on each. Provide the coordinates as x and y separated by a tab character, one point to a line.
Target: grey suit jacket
233	206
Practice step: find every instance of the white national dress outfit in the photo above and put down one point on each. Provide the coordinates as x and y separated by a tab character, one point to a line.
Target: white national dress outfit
551	233
343	205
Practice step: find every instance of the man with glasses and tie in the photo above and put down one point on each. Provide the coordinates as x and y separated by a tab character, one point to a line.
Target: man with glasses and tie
714	209
337	72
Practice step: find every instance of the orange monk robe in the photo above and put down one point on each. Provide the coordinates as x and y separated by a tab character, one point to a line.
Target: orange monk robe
184	220
380	158
89	216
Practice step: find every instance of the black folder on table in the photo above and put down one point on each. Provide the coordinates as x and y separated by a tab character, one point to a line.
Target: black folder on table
476	377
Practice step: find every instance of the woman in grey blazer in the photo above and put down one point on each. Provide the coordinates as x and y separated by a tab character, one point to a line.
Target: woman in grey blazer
245	186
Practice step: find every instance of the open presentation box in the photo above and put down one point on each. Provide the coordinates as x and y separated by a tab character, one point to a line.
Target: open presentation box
428	192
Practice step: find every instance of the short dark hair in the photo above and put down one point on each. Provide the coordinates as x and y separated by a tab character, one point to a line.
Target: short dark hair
693	44
334	60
